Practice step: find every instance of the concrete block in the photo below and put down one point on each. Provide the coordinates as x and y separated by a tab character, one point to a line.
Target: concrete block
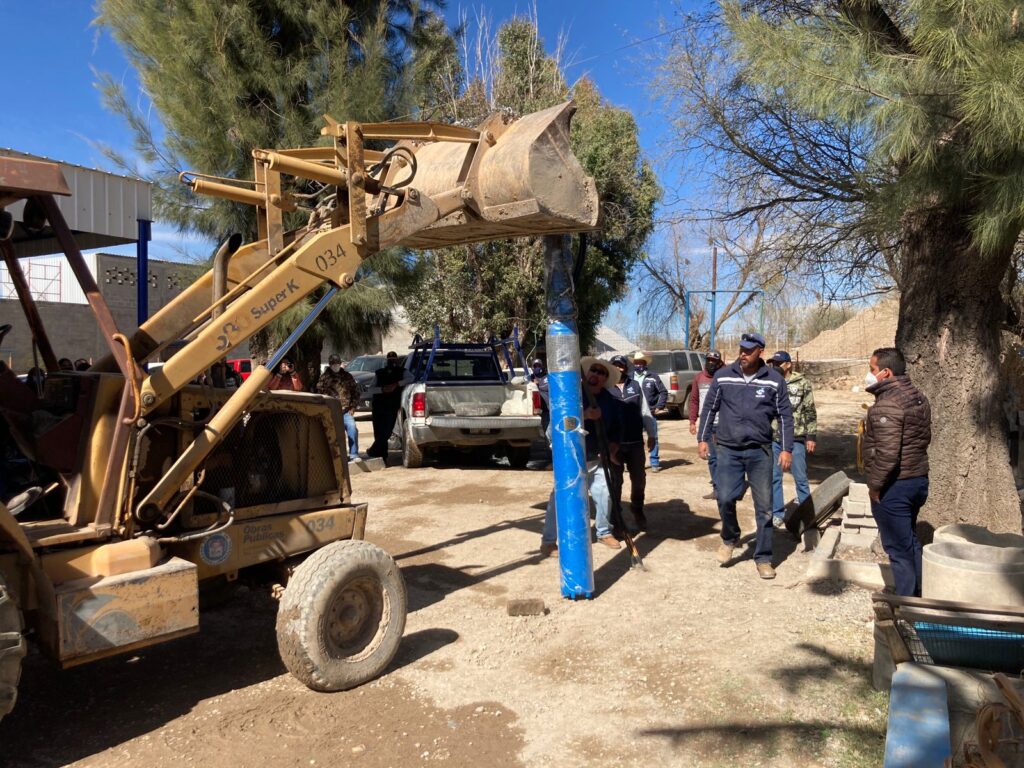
858	492
375	464
856	508
857	539
824	566
526	606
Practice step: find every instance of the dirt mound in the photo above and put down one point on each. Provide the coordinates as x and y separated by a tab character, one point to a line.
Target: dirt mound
858	337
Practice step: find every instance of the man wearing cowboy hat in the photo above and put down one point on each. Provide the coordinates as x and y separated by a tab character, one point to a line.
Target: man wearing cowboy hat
601	411
656	395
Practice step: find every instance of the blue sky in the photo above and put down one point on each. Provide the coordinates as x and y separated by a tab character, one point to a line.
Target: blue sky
64	118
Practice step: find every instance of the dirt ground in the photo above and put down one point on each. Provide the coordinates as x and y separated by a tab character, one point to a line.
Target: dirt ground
684	664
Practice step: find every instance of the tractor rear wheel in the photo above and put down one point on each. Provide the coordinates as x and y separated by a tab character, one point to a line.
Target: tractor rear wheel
342	615
12	649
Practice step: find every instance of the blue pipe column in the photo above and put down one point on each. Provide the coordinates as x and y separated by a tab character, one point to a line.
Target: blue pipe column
142	271
568	451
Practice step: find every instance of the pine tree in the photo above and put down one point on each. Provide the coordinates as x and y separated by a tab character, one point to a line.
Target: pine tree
225	77
891	134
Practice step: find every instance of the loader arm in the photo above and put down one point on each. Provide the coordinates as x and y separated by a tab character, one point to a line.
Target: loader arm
438	185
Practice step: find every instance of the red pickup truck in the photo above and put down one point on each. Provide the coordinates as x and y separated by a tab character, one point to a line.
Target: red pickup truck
242	366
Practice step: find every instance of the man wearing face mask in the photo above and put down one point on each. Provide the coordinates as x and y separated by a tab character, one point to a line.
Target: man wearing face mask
698	395
750	396
337	382
656	395
896	437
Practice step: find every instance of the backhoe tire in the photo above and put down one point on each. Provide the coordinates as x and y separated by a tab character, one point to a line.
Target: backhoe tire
342	615
412	455
12	649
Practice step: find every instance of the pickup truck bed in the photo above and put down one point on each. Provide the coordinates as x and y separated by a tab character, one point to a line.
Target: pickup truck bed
460	398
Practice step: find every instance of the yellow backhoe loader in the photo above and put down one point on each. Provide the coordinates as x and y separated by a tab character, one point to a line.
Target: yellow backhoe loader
145	485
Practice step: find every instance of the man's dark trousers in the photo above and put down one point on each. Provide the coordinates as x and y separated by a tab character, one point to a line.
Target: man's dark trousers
753	464
385	414
633	458
896	515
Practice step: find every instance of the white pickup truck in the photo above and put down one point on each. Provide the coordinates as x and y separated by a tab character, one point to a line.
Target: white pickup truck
460	396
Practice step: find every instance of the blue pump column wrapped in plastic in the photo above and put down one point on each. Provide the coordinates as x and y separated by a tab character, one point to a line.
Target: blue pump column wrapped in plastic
568	451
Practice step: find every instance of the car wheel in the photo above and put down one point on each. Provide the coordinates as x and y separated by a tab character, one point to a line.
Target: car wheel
412	456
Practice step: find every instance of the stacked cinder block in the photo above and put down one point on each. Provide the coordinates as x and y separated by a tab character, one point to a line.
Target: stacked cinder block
859	527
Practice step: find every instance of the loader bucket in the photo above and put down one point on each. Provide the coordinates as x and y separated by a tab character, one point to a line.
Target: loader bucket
527	183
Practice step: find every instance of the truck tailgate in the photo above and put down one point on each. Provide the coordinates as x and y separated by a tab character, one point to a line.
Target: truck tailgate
478	400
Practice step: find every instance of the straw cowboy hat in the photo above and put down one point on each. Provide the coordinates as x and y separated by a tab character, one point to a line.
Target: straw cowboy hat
613	372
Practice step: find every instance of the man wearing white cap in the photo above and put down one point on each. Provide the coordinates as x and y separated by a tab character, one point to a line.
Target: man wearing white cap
656	395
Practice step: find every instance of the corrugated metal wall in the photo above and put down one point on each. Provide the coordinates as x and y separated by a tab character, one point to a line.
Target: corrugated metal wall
49	278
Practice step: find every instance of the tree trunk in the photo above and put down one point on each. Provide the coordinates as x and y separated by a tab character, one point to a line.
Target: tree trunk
950	318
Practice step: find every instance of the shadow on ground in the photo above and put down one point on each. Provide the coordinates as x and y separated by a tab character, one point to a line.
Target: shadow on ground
731	742
64	716
739	742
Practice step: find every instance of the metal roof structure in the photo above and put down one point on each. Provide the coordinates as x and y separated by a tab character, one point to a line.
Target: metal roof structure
104	210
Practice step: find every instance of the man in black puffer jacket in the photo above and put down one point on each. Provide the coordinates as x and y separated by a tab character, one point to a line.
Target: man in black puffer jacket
747	396
897	432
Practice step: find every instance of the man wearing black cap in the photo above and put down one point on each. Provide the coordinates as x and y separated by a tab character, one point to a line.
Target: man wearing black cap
386	404
698	395
805	433
339	383
749	396
635	420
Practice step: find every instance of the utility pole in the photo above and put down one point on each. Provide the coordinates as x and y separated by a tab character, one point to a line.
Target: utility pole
714	293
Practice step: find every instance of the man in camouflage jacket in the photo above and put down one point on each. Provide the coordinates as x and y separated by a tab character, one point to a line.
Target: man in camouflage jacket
337	382
805	434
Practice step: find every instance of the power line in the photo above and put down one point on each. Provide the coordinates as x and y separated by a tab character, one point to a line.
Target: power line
627	45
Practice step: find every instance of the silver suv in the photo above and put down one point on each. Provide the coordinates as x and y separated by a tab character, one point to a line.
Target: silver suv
676	369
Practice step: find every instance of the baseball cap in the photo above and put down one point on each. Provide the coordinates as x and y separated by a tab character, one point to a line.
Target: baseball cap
619	361
715	355
334	359
751	341
782	356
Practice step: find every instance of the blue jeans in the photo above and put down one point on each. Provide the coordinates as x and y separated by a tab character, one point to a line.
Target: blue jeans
353	434
799	471
713	461
896	515
599	495
754	465
655	460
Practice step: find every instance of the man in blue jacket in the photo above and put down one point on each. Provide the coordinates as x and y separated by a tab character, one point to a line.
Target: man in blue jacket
747	396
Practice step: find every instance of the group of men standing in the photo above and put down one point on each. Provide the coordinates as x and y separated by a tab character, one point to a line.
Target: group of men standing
755	419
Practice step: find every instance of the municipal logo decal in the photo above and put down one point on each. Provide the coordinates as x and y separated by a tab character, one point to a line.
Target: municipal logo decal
216	549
